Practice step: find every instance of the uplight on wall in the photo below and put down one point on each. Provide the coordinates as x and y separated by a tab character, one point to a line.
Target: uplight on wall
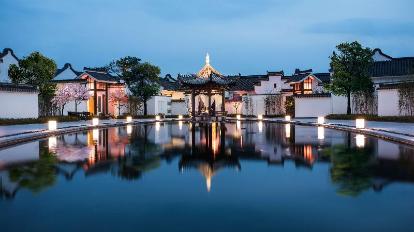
288	118
360	123
321	120
157	117
95	121
180	117
52	125
238	117
129	119
260	117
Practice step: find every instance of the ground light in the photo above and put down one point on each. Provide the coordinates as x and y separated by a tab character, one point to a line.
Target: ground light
180	117
360	123
238	117
52	125
288	118
321	120
129	119
95	121
260	117
157	117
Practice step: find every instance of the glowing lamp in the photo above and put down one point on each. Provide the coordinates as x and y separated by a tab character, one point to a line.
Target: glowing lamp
52	125
157	117
360	123
129	119
180	117
321	120
95	121
238	117
260	117
288	118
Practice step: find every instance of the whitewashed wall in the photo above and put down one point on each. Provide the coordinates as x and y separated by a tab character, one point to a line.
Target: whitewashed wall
312	106
256	107
178	107
18	104
268	87
339	104
4	66
70	107
159	105
388	102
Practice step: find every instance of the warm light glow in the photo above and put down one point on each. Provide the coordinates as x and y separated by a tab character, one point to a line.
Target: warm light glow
95	134
260	125
287	130
129	129
360	123
288	118
180	125
95	121
52	125
180	117
321	132
157	126
238	117
52	143
157	117
321	120
238	125
129	119
214	139
360	140
260	117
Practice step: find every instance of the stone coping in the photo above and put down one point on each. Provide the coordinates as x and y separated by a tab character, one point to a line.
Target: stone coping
27	136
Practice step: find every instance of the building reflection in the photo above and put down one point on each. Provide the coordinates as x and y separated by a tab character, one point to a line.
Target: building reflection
357	163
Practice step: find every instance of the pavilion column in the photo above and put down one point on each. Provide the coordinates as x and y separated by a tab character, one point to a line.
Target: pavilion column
223	106
209	102
193	104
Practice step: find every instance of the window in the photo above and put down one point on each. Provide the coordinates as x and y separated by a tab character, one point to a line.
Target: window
99	104
307	84
275	85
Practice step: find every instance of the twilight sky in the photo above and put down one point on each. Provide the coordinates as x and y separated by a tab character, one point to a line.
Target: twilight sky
247	37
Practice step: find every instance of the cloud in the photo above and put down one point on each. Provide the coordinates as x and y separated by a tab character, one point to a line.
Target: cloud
364	27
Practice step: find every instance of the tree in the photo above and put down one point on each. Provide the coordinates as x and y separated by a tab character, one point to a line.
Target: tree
62	97
79	93
351	66
119	99
36	70
141	78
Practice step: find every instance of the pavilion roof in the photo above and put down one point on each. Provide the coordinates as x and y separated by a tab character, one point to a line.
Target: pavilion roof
192	80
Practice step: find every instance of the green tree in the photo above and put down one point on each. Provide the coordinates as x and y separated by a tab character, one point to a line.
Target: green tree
141	78
351	65
36	70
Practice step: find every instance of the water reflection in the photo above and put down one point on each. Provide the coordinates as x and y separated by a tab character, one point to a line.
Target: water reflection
357	163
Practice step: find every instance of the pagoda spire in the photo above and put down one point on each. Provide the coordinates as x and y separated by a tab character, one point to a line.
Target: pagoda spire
207	58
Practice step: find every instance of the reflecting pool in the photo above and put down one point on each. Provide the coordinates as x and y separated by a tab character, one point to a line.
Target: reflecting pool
183	177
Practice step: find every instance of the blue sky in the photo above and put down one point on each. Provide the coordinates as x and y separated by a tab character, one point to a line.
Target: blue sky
247	37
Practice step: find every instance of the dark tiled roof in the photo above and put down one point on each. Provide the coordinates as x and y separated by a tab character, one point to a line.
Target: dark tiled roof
17	88
381	53
299	72
247	83
102	76
297	77
66	66
276	73
394	67
395	85
194	80
7	50
312	95
324	77
168	83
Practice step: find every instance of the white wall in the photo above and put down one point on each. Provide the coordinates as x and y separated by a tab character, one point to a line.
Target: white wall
312	106
267	87
178	107
256	107
4	67
159	105
388	102
339	104
70	107
18	104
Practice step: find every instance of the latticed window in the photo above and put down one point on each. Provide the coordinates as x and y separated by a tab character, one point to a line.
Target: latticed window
307	84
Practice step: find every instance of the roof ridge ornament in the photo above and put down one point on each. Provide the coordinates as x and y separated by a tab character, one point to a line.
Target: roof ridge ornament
207	58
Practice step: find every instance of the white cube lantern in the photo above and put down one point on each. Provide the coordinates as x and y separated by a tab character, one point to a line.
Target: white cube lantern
260	117
129	119
288	118
238	117
157	117
52	125
360	123
180	117
321	120
95	121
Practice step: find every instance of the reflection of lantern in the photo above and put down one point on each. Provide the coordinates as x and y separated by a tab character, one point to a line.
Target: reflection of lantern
129	129
180	117
321	120
157	126
238	117
260	117
288	118
260	125
129	119
238	125
52	143
95	134
321	132
180	125
360	140
287	130
360	123
52	125
95	121
157	117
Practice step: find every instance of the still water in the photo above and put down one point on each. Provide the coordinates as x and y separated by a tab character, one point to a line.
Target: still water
183	177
